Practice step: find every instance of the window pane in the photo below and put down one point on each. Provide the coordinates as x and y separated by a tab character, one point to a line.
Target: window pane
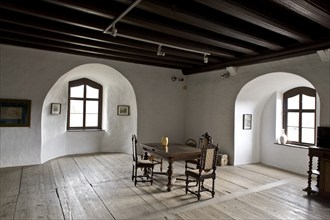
293	134
293	102
77	91
76	120
308	102
92	93
91	120
76	106
92	106
308	120
293	119
307	135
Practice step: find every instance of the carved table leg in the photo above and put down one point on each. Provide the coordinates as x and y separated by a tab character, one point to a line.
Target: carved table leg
310	167
169	174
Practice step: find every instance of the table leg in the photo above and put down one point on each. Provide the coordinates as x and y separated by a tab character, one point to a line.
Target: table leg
169	174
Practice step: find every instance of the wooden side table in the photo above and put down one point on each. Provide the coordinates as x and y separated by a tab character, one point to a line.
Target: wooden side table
322	172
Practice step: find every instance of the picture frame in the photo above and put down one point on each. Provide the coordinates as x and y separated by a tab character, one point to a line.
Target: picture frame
55	109
247	121
123	110
15	113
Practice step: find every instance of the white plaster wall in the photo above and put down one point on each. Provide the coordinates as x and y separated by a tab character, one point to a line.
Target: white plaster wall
284	157
252	100
30	74
210	101
56	141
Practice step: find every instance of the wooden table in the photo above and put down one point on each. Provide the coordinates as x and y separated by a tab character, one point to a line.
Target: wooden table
173	152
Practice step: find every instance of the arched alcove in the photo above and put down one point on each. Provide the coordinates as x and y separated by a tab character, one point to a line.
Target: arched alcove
117	130
261	97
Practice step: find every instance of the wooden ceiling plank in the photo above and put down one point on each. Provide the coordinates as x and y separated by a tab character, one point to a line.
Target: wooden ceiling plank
99	46
50	45
79	23
140	22
195	20
290	52
308	10
255	18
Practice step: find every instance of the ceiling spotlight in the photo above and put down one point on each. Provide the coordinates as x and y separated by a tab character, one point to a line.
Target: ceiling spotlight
160	51
225	75
206	59
174	78
114	31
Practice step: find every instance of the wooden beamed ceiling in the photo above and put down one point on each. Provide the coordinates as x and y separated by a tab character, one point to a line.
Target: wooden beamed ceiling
228	32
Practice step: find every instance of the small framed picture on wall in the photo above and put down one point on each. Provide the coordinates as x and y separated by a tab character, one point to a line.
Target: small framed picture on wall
55	108
123	110
247	121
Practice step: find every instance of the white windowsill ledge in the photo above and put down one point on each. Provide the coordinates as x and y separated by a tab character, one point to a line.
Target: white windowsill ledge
295	146
86	130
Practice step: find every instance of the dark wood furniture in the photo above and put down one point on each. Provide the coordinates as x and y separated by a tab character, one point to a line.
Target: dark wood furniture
172	152
206	170
146	165
322	172
204	140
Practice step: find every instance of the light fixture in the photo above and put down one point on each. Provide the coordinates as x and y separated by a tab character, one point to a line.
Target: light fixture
225	75
174	78
206	59
113	31
160	52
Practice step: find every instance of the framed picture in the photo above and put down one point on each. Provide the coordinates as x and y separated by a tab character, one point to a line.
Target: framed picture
15	113
247	121
55	108
123	110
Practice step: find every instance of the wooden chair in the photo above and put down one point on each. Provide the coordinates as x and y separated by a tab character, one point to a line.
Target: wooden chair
147	166
204	140
191	142
206	170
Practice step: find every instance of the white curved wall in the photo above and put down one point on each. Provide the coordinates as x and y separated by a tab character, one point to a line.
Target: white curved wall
259	97
117	90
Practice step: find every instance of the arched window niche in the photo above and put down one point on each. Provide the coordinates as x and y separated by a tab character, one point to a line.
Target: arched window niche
116	130
263	98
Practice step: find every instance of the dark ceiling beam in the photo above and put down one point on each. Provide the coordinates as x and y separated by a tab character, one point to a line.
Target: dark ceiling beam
93	36
80	53
48	45
235	10
288	53
308	10
110	49
97	27
196	20
152	25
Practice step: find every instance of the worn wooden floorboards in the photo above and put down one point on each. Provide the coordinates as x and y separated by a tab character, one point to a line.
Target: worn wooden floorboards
99	186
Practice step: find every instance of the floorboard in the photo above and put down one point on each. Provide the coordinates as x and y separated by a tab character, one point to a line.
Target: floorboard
99	186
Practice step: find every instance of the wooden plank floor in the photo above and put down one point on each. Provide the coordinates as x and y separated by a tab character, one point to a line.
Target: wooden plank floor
99	186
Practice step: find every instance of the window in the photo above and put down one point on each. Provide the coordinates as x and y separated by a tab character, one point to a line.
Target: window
85	105
299	115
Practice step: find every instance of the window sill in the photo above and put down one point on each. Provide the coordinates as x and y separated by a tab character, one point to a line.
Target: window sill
85	130
295	146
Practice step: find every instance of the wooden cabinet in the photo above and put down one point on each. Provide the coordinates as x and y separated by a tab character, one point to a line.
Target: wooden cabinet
322	172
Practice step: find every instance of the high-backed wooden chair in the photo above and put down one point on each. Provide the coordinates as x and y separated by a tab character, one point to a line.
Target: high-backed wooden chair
204	140
206	170
147	171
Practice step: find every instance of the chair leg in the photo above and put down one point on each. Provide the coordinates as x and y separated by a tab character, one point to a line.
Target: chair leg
132	172
213	180
135	171
186	184
152	175
199	190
